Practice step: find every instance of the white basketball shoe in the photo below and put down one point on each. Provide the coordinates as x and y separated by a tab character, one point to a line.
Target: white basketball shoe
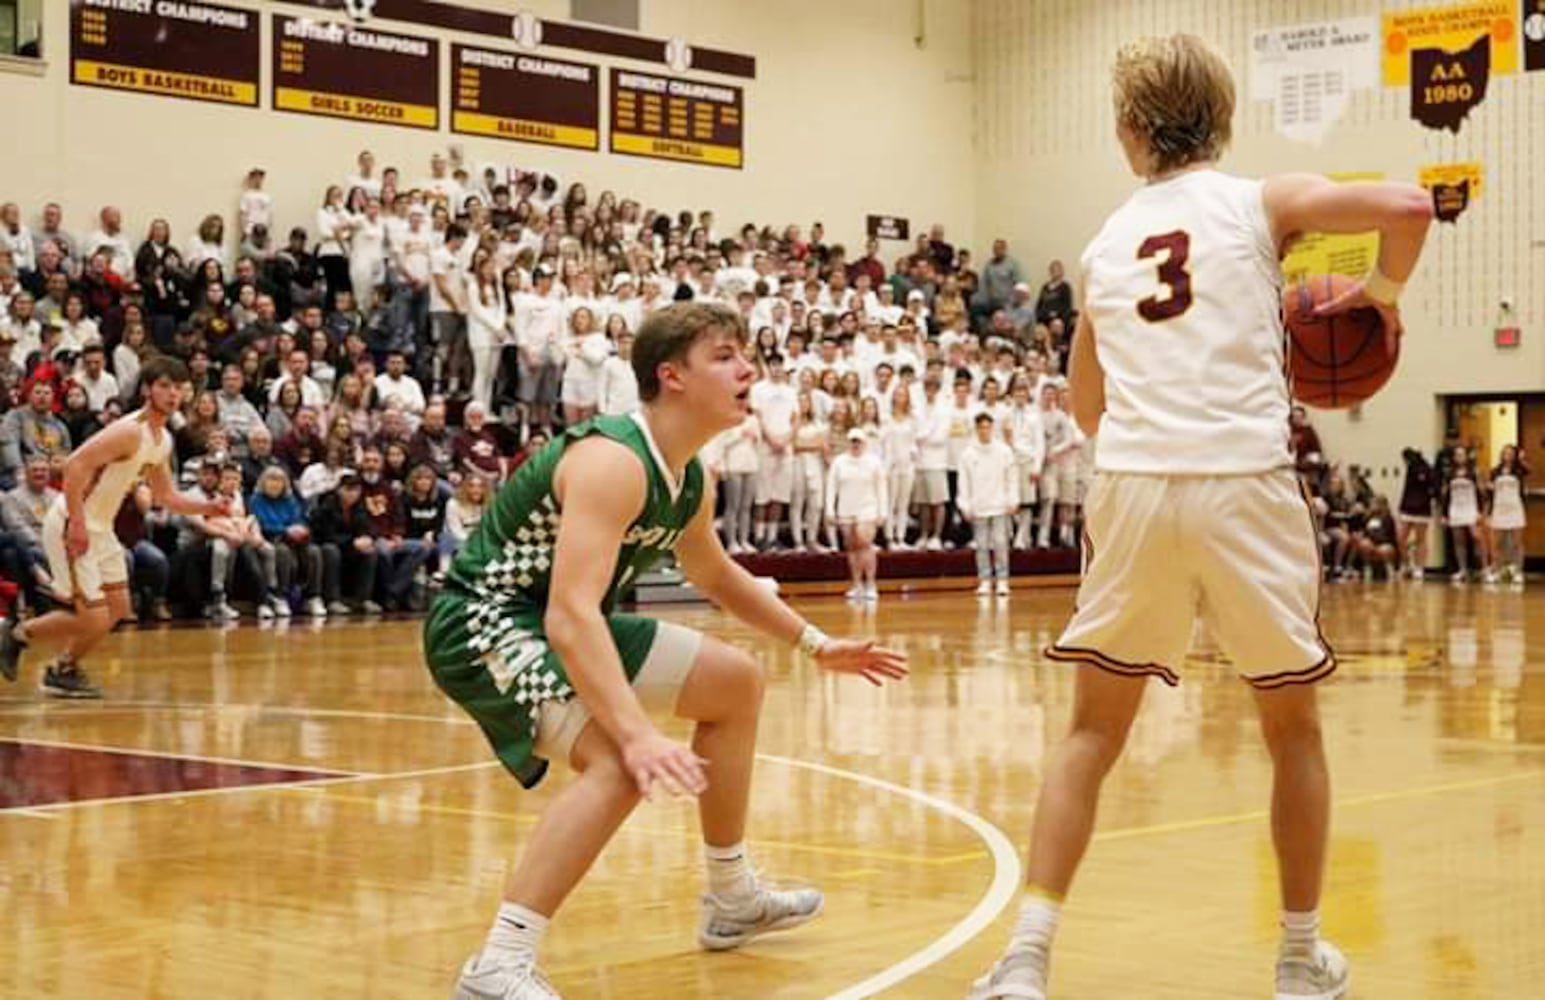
482	980
1323	977
1019	975
727	925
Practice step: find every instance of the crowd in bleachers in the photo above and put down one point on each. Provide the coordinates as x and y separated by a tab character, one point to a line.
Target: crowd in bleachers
1478	511
361	385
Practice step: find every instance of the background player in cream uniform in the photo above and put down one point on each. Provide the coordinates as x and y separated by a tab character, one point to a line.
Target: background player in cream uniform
84	556
1178	365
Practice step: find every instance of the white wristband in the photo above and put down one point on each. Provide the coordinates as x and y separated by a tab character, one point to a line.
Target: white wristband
811	640
1384	291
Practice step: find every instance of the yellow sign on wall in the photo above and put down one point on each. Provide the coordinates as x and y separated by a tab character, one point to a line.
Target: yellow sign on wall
1452	28
1334	253
1453	185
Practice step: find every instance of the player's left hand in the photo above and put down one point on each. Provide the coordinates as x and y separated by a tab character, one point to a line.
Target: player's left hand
861	656
1356	297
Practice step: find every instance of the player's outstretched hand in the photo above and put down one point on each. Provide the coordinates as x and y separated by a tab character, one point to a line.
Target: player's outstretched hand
861	656
659	764
1356	297
218	507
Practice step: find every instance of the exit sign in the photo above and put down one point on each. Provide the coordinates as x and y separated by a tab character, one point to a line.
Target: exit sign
1507	336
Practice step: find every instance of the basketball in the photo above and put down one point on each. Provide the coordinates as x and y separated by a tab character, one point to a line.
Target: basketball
1335	361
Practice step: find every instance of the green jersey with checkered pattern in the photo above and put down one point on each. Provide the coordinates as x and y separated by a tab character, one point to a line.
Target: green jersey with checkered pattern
507	562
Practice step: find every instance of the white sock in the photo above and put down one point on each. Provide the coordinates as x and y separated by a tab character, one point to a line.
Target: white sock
1037	923
1300	933
516	934
730	877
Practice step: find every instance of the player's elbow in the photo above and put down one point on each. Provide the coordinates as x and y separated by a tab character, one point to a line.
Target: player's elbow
564	624
1411	206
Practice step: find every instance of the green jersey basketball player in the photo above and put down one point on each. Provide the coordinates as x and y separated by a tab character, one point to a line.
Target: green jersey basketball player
526	638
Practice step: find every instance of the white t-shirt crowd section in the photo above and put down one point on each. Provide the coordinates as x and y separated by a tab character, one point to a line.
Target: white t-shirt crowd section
504	295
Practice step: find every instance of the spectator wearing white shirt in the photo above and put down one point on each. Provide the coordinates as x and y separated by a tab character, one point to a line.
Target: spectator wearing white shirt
856	501
109	238
207	244
735	453
899	449
809	500
587	349
1061	443
773	401
625	301
448	308
619	383
93	376
396	383
988	498
486	329
256	207
539	318
367	255
76	329
931	491
17	238
365	177
1027	438
297	365
333	226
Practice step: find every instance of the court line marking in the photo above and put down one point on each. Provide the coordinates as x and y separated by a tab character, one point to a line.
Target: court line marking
199	793
1002	889
126	751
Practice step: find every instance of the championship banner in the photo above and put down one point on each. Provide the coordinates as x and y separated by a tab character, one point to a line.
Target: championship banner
1446	86
525	98
1534	34
345	71
1351	254
1451	29
1453	185
199	51
668	118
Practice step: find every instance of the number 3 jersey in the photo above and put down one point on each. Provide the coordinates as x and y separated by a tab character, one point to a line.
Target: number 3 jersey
508	560
1184	290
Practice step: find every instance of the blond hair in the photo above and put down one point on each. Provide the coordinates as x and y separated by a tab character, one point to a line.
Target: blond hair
1176	94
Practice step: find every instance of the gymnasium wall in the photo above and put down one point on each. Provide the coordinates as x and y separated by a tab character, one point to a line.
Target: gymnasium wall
1048	171
846	116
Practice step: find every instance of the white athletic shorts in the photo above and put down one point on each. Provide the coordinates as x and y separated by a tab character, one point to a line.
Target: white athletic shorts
658	685
774	476
101	567
1160	551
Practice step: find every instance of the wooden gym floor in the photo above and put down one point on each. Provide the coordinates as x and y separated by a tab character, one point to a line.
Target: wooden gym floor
298	813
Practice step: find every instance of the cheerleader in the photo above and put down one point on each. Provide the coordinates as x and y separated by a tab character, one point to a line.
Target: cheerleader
1507	513
855	500
1462	504
899	451
810	452
1417	496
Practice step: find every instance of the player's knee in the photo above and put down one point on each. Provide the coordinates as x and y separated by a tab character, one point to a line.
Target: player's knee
1291	727
742	679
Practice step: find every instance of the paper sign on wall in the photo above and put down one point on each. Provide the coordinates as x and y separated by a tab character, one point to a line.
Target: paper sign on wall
1453	185
1453	29
1334	253
1308	71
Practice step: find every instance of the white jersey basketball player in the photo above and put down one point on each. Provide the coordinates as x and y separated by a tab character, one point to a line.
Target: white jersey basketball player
1178	365
84	557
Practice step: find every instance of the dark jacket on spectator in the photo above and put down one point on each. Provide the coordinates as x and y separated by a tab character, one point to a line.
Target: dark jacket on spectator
425	517
331	524
433	450
298	450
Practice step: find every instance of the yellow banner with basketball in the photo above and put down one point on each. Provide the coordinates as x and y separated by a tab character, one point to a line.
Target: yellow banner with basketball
1453	185
1451	28
1334	253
